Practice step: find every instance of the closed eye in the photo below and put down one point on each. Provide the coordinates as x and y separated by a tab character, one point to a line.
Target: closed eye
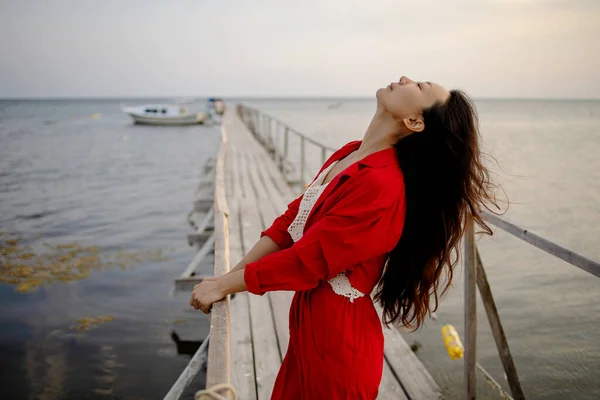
419	85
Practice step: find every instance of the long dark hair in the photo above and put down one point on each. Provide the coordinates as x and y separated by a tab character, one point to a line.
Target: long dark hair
446	182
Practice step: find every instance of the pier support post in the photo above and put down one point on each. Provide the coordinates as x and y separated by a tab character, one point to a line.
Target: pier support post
470	272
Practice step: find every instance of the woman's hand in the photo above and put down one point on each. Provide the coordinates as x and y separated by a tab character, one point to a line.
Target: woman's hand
206	293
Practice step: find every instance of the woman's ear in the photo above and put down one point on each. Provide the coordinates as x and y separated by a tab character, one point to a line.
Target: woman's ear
415	124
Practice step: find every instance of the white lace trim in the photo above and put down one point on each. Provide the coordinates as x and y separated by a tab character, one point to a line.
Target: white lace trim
340	283
311	195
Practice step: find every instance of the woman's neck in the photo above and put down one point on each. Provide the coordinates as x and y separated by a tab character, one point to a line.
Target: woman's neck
381	134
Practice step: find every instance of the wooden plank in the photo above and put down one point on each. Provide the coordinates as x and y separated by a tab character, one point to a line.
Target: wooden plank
190	371
220	197
389	387
408	369
242	356
406	366
278	185
272	176
280	300
244	190
470	310
218	366
270	209
572	257
202	232
498	331
267	358
201	255
232	175
259	189
203	204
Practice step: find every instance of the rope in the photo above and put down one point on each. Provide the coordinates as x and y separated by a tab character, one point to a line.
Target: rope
212	392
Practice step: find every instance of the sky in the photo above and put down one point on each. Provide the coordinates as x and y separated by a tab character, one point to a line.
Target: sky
284	48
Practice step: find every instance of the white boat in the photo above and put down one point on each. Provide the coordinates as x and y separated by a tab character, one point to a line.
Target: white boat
164	114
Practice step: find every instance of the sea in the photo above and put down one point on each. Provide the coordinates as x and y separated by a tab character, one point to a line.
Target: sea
81	185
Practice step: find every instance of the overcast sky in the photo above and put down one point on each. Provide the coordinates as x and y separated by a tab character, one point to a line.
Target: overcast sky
120	48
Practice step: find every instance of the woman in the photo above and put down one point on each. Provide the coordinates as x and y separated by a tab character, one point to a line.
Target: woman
387	211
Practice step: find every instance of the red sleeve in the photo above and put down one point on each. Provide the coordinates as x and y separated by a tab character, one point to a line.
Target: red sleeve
278	231
366	222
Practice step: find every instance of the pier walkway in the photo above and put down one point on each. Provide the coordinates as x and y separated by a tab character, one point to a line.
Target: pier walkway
254	174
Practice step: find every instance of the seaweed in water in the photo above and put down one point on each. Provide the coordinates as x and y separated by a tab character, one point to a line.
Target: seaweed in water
28	269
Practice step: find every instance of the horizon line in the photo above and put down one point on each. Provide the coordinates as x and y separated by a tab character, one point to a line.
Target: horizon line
272	97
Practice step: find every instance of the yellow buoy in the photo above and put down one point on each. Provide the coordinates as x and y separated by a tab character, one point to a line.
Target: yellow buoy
452	341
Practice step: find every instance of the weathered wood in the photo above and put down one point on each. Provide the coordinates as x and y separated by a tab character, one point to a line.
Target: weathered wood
234	176
280	301
190	371
242	357
572	257
389	387
470	309
201	255
220	195
498	331
270	172
218	366
242	353
203	204
203	230
268	359
406	366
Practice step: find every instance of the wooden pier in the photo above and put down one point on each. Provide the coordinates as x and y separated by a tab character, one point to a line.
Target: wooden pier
249	334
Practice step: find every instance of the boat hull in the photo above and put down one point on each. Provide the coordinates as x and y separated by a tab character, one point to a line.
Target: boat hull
190	119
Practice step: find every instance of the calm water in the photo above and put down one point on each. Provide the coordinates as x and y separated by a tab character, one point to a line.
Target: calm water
550	168
67	176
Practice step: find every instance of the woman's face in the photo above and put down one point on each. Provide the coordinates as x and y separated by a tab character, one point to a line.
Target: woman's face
406	99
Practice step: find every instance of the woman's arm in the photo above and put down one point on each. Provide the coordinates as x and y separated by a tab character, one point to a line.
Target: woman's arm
275	238
263	247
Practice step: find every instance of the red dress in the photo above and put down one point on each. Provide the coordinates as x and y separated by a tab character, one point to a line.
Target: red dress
336	345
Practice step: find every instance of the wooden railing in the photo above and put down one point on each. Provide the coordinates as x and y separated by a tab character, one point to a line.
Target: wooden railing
276	137
218	360
218	366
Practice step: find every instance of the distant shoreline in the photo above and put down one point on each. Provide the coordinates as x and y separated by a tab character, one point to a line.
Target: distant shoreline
262	98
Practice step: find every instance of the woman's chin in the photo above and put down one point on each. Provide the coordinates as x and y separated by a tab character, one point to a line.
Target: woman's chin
379	92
